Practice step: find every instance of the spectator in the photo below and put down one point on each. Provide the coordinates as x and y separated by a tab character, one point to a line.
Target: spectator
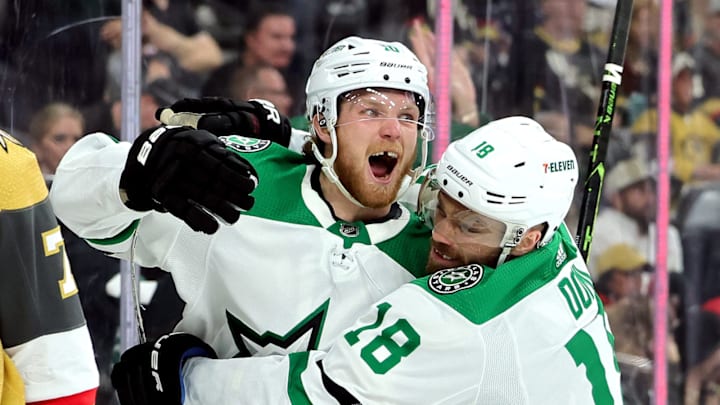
619	273
173	47
260	81
53	130
629	218
693	133
466	114
707	51
269	39
158	93
107	116
640	68
631	320
464	102
564	70
702	384
623	278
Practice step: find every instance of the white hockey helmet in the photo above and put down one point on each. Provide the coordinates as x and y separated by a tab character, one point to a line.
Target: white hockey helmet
357	63
513	171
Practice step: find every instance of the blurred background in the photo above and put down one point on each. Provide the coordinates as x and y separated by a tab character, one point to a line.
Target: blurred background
61	74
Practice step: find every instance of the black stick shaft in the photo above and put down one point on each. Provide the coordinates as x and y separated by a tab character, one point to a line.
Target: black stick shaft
603	124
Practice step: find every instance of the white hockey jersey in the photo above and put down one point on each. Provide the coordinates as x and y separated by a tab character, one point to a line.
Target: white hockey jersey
532	331
286	277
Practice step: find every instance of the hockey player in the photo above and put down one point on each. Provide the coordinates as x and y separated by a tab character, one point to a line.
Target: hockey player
512	319
322	240
42	327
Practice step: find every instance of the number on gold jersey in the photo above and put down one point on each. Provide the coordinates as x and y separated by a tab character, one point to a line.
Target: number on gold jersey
54	244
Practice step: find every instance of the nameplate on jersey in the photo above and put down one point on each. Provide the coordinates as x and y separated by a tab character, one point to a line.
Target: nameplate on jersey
244	144
450	281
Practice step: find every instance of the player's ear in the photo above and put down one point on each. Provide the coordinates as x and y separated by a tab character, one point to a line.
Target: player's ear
529	241
319	123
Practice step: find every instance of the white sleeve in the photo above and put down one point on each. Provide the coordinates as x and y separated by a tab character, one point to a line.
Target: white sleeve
251	380
393	354
85	196
298	138
85	191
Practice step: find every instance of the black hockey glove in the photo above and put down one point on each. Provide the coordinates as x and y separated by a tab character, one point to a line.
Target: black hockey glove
222	116
151	373
188	173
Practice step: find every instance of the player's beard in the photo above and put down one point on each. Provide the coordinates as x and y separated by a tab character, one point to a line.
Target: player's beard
372	195
463	255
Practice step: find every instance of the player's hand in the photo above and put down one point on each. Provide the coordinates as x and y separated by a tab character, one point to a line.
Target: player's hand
222	116
151	373
188	173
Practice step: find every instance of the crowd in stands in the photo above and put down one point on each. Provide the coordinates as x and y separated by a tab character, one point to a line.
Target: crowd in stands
61	78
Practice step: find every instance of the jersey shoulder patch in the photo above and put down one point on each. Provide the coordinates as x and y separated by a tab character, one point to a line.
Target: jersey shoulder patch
244	144
456	279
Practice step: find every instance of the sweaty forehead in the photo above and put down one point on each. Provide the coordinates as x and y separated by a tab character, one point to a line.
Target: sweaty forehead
381	96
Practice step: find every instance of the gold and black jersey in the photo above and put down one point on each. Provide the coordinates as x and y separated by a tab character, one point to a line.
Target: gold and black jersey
38	294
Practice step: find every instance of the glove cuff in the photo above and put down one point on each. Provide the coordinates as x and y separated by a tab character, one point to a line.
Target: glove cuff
135	186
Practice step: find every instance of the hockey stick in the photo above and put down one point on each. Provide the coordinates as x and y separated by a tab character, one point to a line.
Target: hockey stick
603	124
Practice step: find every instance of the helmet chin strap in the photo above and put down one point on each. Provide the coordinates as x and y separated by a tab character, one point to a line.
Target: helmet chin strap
512	237
503	255
329	163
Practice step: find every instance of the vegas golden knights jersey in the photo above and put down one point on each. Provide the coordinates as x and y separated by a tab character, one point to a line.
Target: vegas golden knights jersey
42	327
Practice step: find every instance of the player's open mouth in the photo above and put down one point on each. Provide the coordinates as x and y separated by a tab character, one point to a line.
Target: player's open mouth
382	164
442	255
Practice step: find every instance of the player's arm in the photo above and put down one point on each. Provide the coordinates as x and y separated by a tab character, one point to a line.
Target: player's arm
222	116
42	327
86	197
392	354
105	190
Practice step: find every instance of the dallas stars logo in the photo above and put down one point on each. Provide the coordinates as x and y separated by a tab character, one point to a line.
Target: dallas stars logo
245	144
450	281
303	336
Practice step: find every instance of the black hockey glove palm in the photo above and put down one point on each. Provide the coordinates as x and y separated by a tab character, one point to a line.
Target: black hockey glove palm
222	116
151	373
188	173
